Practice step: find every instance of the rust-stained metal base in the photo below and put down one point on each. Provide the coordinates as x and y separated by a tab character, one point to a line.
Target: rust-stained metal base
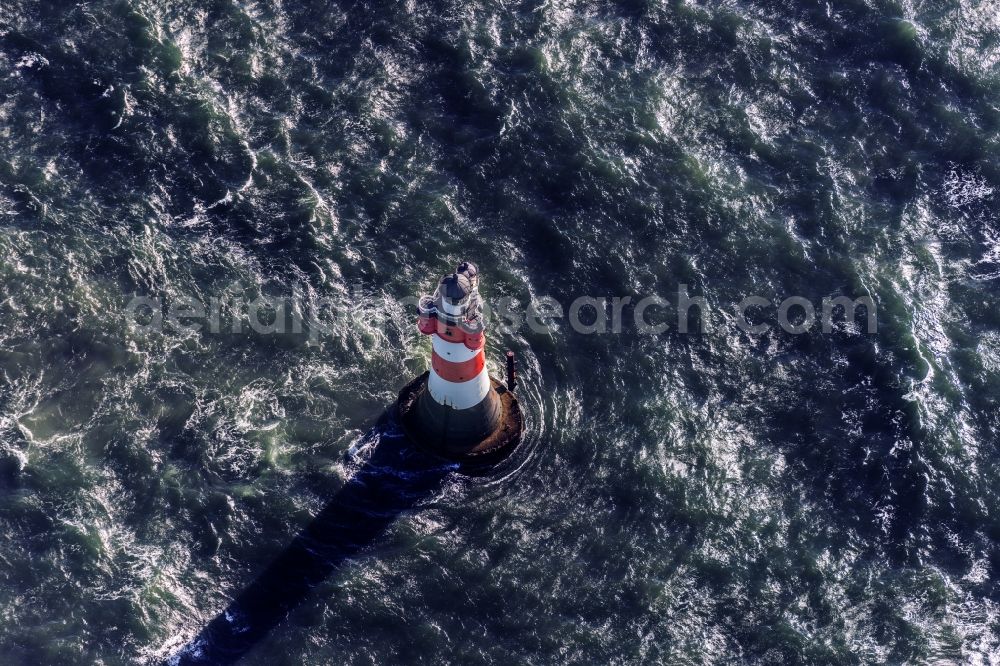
490	451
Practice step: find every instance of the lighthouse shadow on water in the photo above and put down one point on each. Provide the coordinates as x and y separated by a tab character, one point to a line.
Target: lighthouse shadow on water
395	479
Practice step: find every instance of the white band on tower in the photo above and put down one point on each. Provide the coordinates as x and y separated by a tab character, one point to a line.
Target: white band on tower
459	395
456	352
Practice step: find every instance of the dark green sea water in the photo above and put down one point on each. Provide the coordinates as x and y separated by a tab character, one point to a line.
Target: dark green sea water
709	498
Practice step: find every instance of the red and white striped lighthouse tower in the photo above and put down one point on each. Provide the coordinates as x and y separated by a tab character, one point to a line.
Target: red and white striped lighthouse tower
456	408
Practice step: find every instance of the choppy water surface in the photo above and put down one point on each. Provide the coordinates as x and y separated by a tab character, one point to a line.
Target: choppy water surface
711	498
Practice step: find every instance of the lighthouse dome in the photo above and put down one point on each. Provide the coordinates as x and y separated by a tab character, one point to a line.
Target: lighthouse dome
456	287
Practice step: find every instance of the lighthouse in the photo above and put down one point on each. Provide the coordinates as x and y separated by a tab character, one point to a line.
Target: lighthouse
455	409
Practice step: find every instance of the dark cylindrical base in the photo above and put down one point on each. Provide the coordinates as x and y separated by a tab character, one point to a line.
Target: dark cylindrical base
484	434
456	429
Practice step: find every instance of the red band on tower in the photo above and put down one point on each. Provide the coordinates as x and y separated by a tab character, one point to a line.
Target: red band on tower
458	372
